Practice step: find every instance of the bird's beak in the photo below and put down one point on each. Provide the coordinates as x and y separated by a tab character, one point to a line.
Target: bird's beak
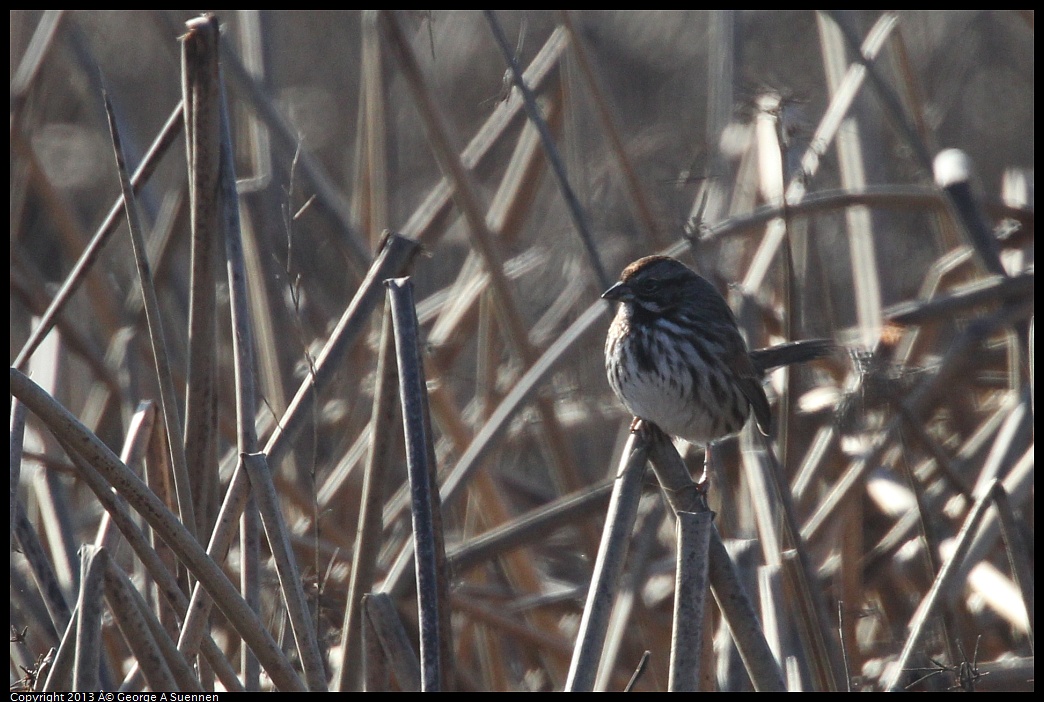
620	291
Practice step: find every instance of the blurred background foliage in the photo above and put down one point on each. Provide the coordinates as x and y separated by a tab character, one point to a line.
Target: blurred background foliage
320	96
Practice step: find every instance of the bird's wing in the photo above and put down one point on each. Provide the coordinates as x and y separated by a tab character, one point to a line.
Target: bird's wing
749	383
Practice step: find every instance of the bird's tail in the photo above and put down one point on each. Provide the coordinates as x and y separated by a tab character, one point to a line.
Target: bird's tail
791	352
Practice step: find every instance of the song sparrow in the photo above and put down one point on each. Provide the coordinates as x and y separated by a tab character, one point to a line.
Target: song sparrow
675	357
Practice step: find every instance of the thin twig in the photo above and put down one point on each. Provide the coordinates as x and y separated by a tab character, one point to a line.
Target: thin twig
168	402
429	550
619	522
575	210
76	276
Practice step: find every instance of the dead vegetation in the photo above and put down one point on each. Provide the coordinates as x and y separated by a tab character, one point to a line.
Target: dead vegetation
219	405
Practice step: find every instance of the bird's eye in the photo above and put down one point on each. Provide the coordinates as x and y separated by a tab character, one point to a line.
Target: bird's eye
650	287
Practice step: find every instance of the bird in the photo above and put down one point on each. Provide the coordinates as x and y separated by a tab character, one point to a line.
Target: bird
675	357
